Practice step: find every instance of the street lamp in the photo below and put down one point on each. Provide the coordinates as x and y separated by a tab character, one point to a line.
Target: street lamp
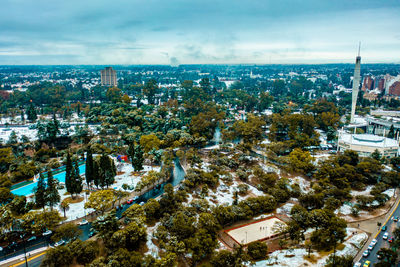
23	241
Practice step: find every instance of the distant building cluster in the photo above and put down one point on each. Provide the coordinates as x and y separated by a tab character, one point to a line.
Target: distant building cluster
108	77
388	85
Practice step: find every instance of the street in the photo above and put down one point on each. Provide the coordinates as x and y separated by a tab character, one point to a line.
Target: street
381	243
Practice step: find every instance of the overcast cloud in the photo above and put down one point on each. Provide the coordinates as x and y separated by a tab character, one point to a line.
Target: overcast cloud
197	32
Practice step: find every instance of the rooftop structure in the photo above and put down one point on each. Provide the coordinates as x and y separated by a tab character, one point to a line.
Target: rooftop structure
366	144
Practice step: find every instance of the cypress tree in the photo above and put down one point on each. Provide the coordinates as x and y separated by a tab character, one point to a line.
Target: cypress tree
96	172
109	172
77	181
68	174
52	195
138	158
131	152
89	166
40	192
31	113
391	132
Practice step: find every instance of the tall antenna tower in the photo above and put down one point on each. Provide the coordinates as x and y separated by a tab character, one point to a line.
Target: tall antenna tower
356	84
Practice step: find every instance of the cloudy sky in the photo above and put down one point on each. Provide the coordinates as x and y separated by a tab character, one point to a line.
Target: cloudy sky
198	31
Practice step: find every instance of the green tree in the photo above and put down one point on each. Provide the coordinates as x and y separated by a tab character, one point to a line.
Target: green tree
66	232
52	195
257	250
89	166
301	161
114	94
40	192
101	200
6	158
68	174
5	195
31	113
57	257
138	159
149	90
388	257
76	179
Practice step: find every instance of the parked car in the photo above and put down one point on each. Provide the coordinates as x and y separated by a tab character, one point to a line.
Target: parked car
59	243
367	264
83	222
373	242
396	219
129	201
385	236
391	239
370	247
357	264
366	253
384	228
48	232
32	238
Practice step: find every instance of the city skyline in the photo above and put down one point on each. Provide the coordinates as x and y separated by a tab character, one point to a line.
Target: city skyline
208	32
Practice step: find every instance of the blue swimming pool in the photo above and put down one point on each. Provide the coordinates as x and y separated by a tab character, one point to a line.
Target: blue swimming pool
28	189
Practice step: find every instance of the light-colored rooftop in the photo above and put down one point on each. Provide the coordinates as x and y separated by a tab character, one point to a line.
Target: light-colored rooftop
368	140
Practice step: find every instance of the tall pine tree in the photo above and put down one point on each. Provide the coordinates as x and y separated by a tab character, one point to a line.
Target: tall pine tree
96	172
52	195
40	192
131	152
138	158
31	113
89	166
77	179
68	174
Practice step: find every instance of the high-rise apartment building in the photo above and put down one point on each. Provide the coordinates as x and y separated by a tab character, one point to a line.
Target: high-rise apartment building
108	77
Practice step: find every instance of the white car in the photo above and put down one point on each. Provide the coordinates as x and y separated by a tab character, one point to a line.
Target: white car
385	236
357	264
373	242
83	222
370	247
366	253
59	243
48	232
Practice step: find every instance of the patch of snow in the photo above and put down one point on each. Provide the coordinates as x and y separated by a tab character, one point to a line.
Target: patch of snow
389	192
305	186
285	209
153	249
366	192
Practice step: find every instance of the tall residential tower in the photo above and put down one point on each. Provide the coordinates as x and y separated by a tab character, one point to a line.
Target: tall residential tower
356	85
108	77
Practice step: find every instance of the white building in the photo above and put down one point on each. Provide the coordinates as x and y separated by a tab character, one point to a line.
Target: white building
366	144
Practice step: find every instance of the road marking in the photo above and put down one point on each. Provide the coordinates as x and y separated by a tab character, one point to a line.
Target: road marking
29	259
388	219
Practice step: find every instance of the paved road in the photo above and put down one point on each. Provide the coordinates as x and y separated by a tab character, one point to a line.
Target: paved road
391	225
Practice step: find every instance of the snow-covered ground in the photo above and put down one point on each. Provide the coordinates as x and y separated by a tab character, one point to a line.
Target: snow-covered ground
32	133
224	194
303	183
296	257
127	177
285	209
153	249
365	192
